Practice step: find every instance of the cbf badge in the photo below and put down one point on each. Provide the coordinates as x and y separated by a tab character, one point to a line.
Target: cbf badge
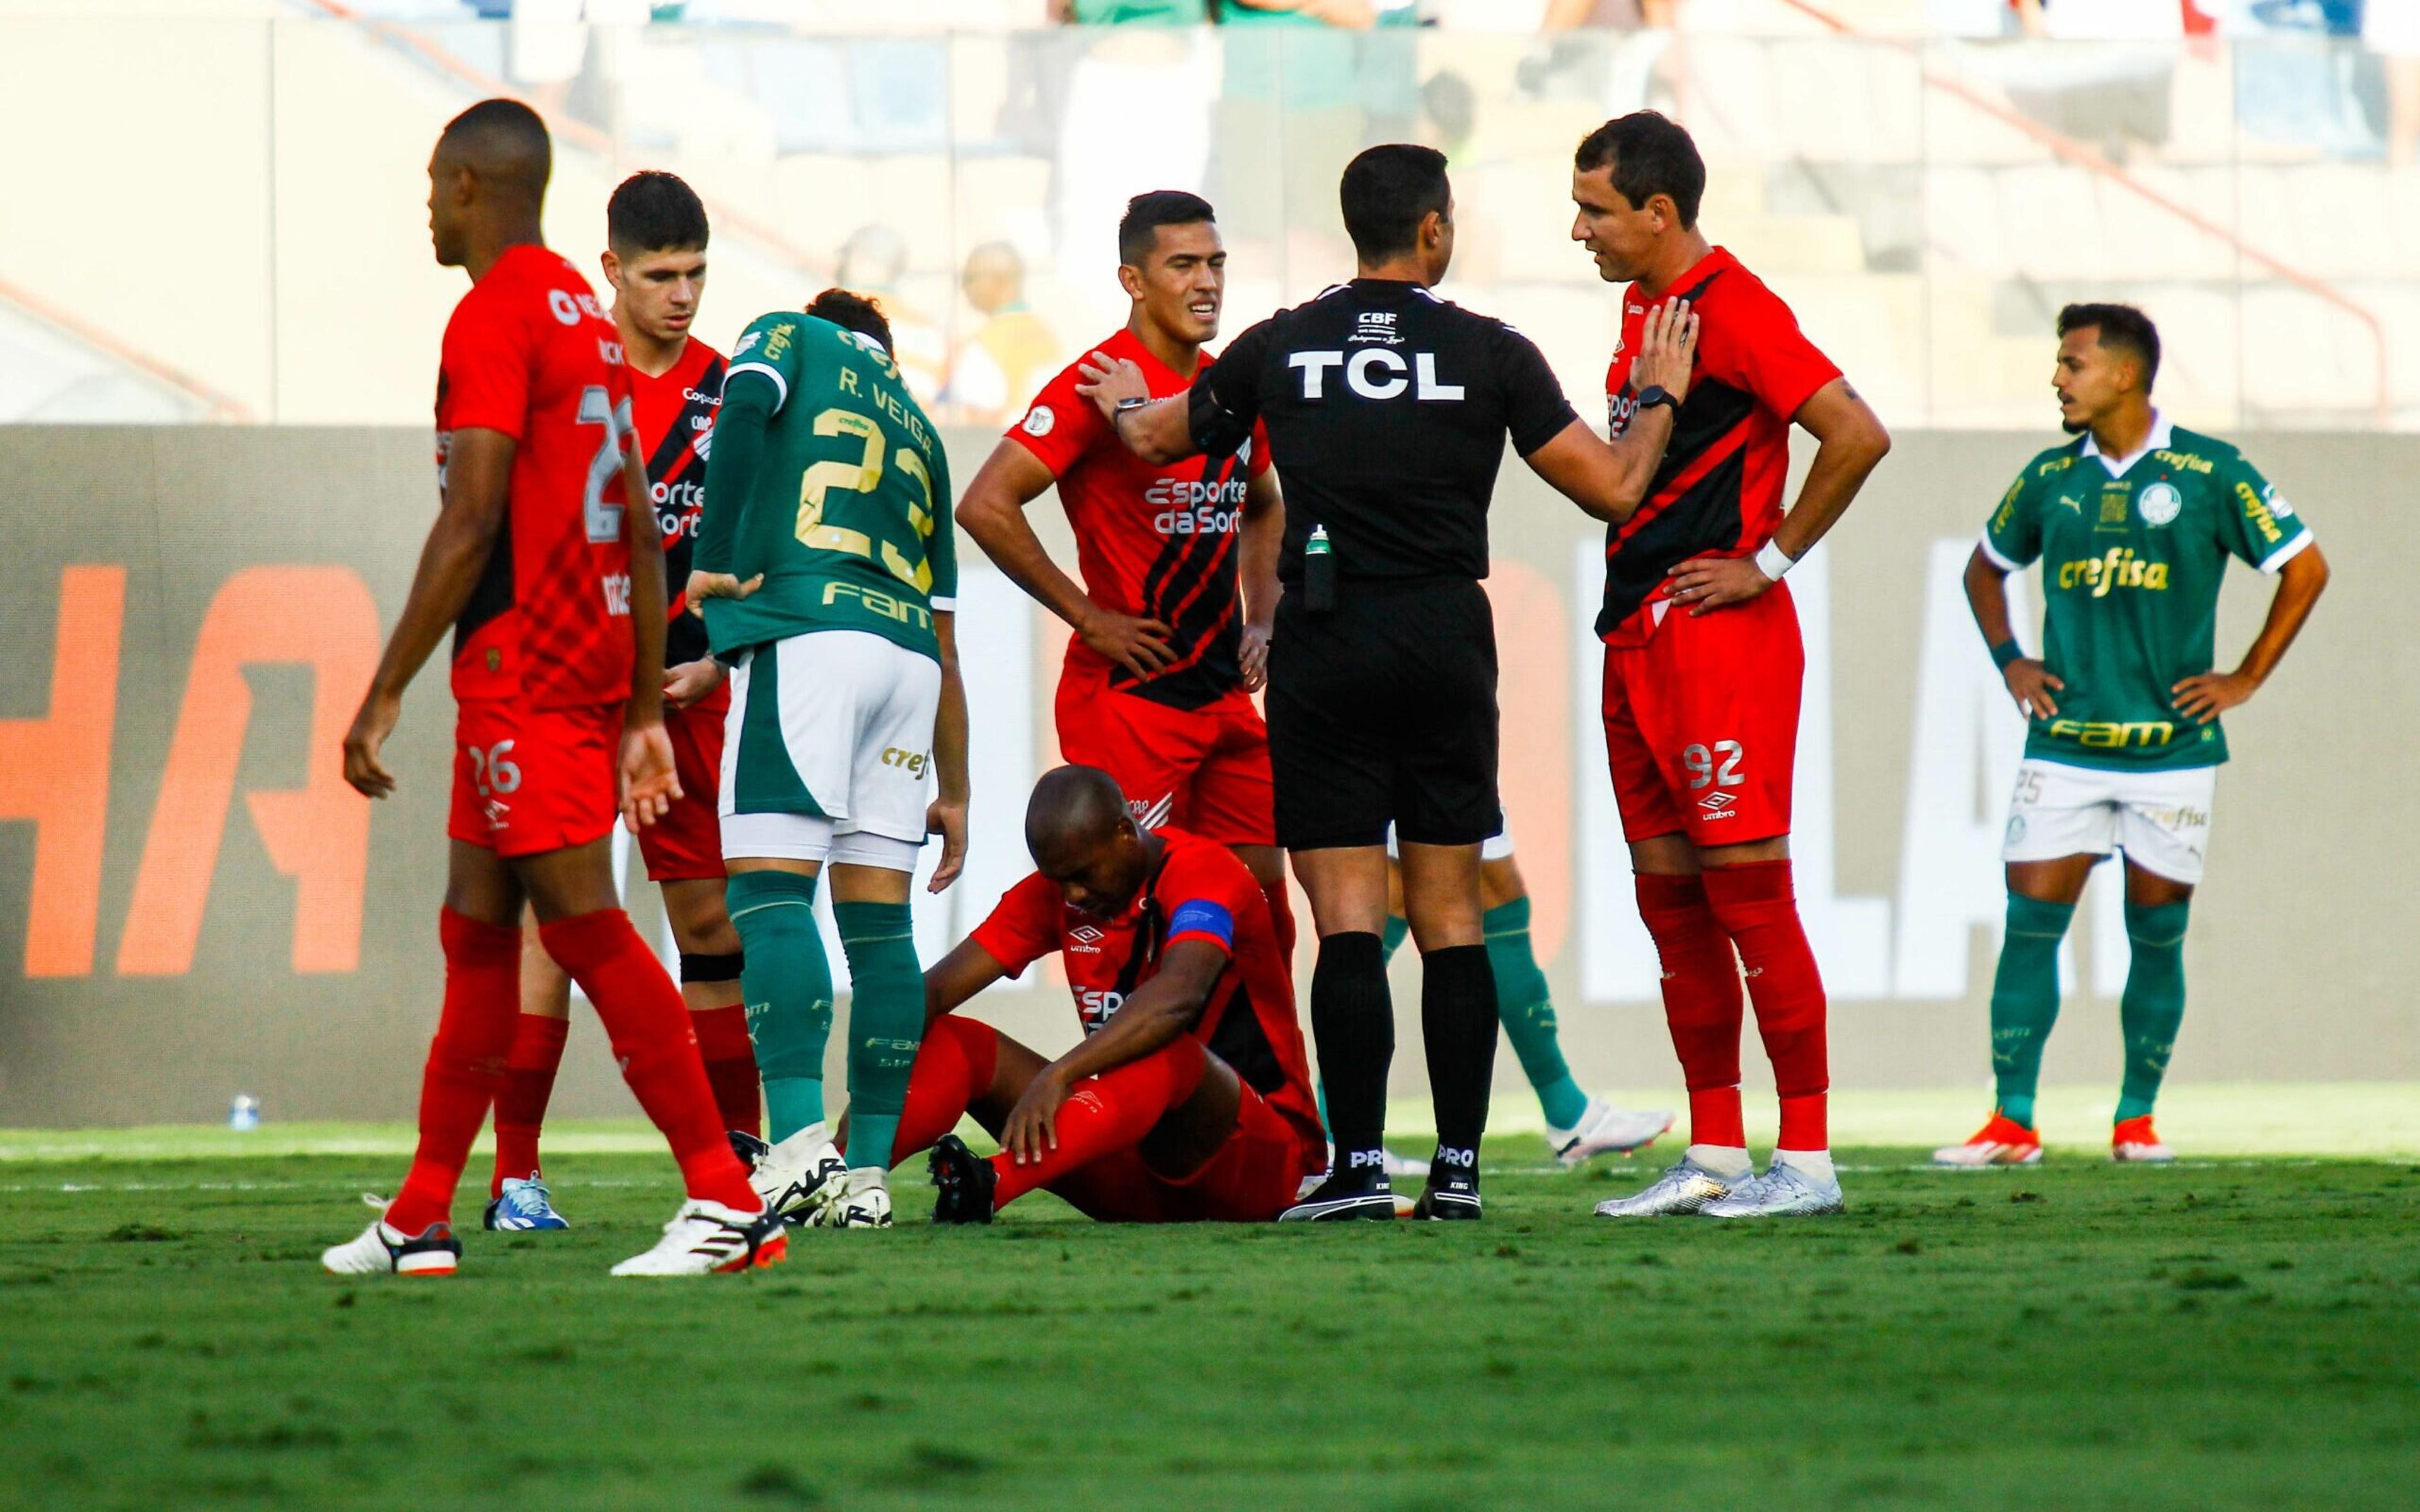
2160	504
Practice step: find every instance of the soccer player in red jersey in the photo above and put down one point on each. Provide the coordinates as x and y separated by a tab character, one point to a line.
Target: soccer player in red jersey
655	259
1189	1097
1703	664
555	589
1180	564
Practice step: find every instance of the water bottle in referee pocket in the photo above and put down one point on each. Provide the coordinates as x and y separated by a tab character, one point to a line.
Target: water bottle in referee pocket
1318	573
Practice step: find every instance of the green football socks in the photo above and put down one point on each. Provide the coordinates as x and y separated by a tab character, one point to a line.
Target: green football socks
1525	1007
886	1023
2024	1000
787	985
2154	1004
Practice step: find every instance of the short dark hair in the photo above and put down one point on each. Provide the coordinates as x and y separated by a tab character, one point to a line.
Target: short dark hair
655	212
1650	154
1138	228
852	312
506	141
2124	328
1386	192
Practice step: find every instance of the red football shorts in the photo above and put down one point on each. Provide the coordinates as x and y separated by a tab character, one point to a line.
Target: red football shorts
686	844
530	780
1251	1180
1204	770
1701	722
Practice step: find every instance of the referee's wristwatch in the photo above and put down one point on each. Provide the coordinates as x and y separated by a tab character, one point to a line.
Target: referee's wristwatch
1653	395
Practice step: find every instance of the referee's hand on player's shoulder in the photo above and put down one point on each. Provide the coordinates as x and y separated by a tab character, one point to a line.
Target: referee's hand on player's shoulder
1108	381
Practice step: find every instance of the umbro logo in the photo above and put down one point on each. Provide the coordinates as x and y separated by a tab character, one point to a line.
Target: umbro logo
1085	933
1715	800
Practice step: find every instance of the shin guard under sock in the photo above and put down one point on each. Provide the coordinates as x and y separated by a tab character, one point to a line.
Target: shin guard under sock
2153	1008
1702	1004
787	982
466	1063
1353	1023
2024	1000
886	1020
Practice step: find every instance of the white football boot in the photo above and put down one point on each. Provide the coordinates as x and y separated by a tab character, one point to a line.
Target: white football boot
706	1238
1605	1130
1783	1191
797	1177
1684	1187
859	1199
385	1250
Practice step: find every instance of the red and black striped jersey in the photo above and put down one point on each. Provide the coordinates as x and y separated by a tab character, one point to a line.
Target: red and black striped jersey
1717	491
1156	542
529	352
676	413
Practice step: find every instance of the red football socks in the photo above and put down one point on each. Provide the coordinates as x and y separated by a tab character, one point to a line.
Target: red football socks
1107	1112
1759	909
648	1025
954	1065
520	1102
730	1059
1702	1006
465	1064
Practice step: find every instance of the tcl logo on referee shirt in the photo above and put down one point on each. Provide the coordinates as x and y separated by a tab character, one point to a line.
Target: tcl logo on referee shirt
1375	373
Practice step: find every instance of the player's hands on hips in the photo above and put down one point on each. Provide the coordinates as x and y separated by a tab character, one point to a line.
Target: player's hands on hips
2030	683
1106	379
690	681
705	585
1667	348
1255	657
372	724
1140	646
649	784
2205	698
949	821
1709	583
1032	1128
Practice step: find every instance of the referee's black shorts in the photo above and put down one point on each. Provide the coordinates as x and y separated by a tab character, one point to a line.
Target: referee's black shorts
1384	711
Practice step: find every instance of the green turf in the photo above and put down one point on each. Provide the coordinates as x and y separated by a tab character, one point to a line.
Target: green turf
2237	1332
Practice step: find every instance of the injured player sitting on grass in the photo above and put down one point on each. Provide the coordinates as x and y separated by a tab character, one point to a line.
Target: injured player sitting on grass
1189	1098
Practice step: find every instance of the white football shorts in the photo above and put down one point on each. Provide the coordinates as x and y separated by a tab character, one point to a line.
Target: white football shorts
2160	818
826	751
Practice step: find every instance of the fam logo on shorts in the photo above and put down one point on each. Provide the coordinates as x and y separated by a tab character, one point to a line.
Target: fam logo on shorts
1039	420
2160	504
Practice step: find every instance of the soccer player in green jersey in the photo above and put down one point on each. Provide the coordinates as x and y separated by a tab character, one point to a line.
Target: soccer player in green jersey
2132	522
827	568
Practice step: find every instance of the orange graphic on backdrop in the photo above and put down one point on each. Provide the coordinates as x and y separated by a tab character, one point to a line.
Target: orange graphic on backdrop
55	771
319	833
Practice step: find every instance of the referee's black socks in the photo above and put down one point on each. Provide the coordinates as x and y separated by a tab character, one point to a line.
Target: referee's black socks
1458	1027
1353	1019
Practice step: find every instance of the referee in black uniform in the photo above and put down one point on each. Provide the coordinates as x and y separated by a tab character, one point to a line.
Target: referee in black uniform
1386	410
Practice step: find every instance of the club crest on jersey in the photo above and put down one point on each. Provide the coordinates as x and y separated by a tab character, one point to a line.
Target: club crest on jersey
2160	504
1039	420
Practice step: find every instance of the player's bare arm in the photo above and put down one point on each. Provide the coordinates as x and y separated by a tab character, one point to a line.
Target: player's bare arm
1850	443
1257	543
957	977
2030	682
690	681
1161	1009
1159	431
947	814
992	510
2300	582
1610	479
649	784
479	481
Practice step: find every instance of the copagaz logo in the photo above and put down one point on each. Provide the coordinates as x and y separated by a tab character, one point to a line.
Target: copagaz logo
1039	420
2160	504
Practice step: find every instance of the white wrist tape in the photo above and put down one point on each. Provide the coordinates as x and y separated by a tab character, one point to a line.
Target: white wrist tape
1774	561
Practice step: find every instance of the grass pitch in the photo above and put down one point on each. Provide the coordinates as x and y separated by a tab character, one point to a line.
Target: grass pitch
2238	1332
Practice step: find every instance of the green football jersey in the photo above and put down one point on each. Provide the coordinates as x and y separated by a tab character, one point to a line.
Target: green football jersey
2132	563
849	516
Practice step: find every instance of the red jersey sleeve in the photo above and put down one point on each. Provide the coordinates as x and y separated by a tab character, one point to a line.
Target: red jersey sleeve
1025	927
487	361
1258	464
1207	894
1061	426
1782	368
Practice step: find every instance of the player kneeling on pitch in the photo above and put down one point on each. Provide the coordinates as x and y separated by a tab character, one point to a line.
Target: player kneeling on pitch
1189	1099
